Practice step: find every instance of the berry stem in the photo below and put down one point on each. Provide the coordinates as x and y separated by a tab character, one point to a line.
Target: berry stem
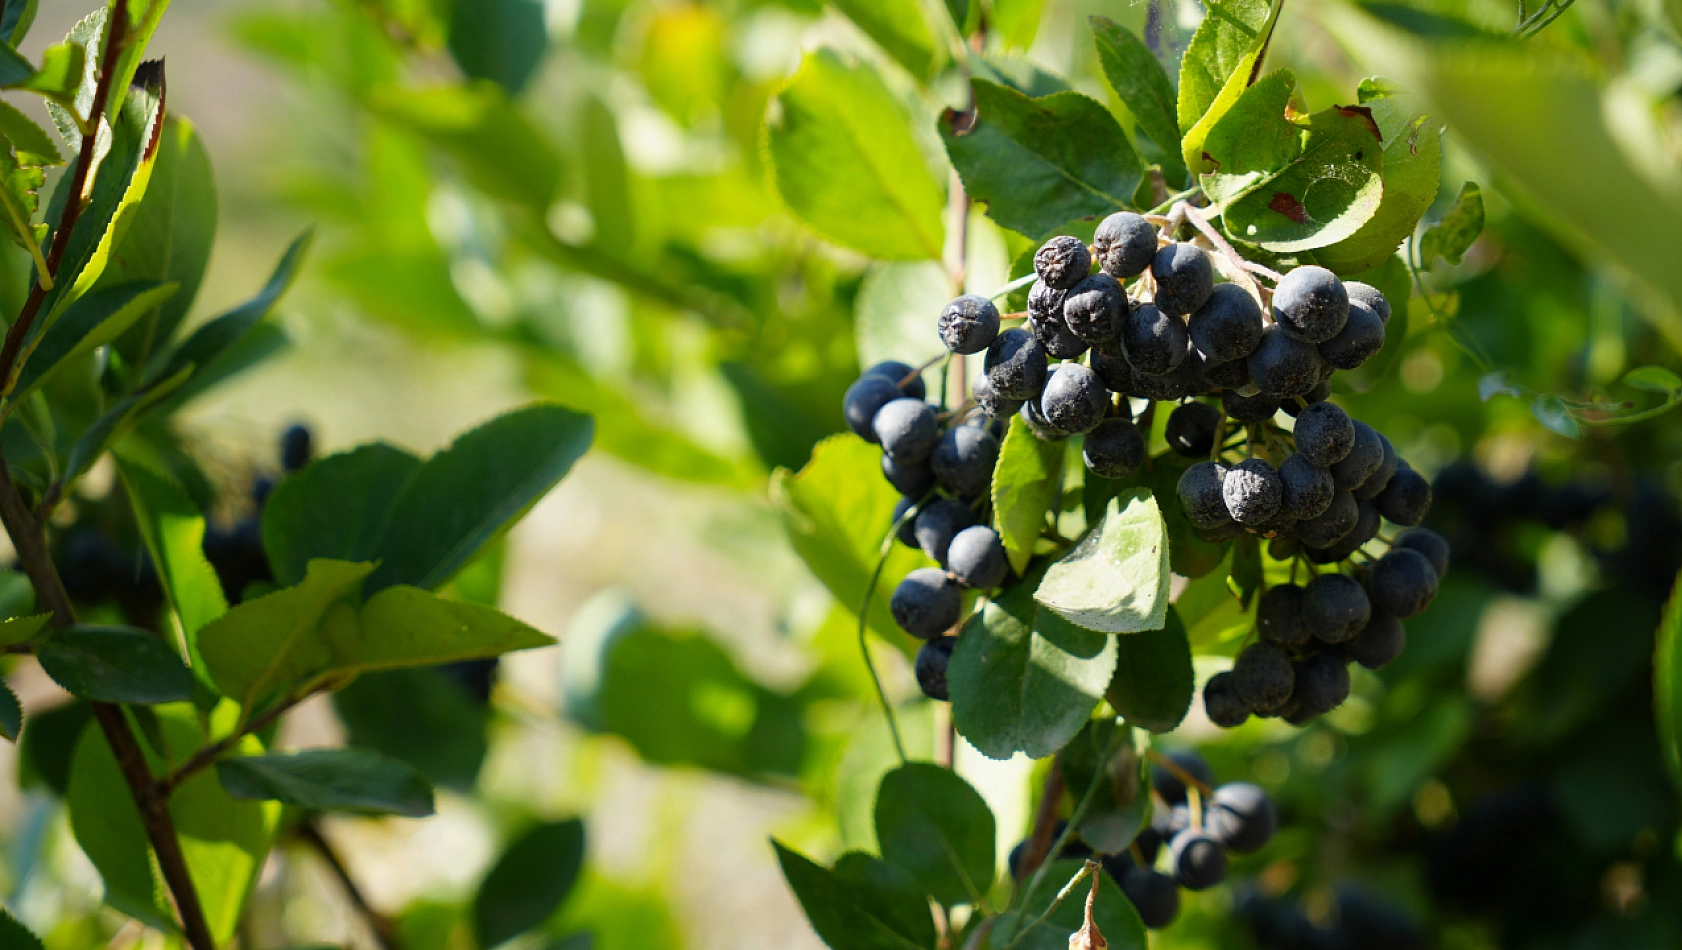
1137	852
1016	284
864	641
1027	894
1190	781
1194	804
1056	902
1234	261
1220	440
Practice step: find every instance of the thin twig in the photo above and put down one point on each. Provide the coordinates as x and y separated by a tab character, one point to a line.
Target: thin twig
384	930
207	756
1045	821
1235	260
864	641
1121	731
1056	902
1174	768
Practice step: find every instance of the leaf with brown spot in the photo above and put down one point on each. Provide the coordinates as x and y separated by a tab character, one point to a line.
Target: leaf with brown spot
1287	204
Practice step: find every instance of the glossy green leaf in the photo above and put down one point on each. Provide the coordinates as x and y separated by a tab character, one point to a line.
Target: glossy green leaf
261	343
607	178
1019	73
49	743
900	29
1137	78
352	780
115	665
93	321
492	144
13	935
863	903
16	16
1412	168
31	142
59	78
1027	481
20	199
1112	912
891	313
19	629
1452	236
223	840
336	508
1220	51
407	626
1653	379
221	334
469	493
1667	684
937	828
1326	195
1120	803
11	714
173	529
1153	683
75	69
499	40
1017	21
168	238
837	512
114	422
421	716
529	881
1038	163
843	160
1116	579
1253	140
14	66
1024	679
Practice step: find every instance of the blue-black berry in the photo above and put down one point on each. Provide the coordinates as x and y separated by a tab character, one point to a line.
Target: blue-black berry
1015	364
1257	408
1283	365
932	659
906	527
1202	496
1096	308
1365	455
1361	337
969	324
1252	492
1263	677
1221	702
1335	607
1307	488
1279	616
1184	278
1312	303
1062	262
1406	499
1380	478
1322	684
1402	583
1113	370
1125	244
1059	343
1332	525
1115	448
1191	429
1324	433
907	428
1242	816
988	398
296	448
976	558
1369	296
904	375
1228	325
1154	342
1379	642
864	399
912	479
1075	399
938	523
1429	543
1198	860
963	460
926	604
1153	894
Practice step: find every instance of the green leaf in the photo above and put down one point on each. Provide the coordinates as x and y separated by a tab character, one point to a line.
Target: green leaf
1024	679
224	840
1452	236
1412	167
937	828
837	511
1121	803
335	509
499	40
1038	163
169	238
419	716
1137	78
359	781
20	187
1551	412
891	313
1112	912
1027	481
19	629
1017	21
1667	678
62	67
843	159
1253	140
900	29
1153	683
221	334
115	665
14	67
16	16
492	145
1324	196
471	492
93	321
114	422
529	881
1218	64
407	626
13	935
864	903
34	146
123	177
173	529
70	76
1653	379
1019	73
11	714
1245	577
48	744
1116	579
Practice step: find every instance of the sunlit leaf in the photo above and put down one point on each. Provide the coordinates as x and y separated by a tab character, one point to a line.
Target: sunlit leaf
1027	481
1116	579
935	826
1452	236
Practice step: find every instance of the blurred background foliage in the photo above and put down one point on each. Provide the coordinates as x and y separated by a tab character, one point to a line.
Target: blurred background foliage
571	200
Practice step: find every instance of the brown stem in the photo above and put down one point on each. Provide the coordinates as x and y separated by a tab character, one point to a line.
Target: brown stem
1173	768
207	755
1201	223
1045	822
380	924
116	25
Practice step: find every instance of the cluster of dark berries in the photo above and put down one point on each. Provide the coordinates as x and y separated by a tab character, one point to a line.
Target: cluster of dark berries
1237	817
942	465
1359	919
1307	635
235	550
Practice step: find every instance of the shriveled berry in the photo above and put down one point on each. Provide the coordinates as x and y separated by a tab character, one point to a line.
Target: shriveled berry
1045	302
1228	325
1279	616
907	428
1074	399
904	375
1332	525
1322	685
977	558
1062	262
864	399
1153	894
1370	296
1154	342
1125	243
1191	429
1038	424
1202	497
969	324
926	604
1114	449
1380	478
932	659
1335	607
1324	433
1365	455
1263	677
938	523
1429	543
1243	816
1198	859
912	479
1308	488
1230	375
1362	336
1015	364
1379	642
1221	702
963	460
1406	499
1310	301
1283	365
1096	308
988	398
1257	408
1403	583
1252	492
1059	343
906	530
1113	369
1184	278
